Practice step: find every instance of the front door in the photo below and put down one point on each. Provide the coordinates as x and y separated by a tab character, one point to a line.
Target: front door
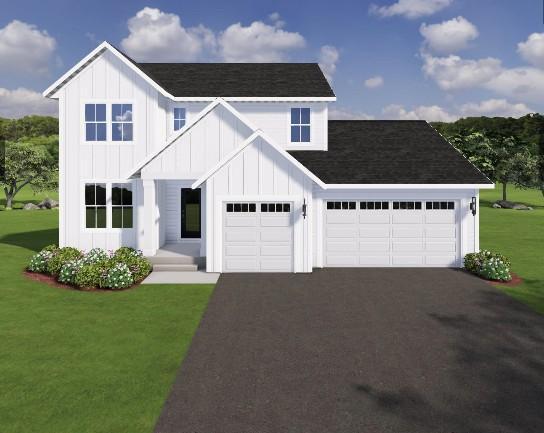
190	213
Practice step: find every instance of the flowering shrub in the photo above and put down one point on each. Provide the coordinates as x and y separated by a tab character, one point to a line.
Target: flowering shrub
489	265
94	256
69	271
118	277
90	276
60	257
39	262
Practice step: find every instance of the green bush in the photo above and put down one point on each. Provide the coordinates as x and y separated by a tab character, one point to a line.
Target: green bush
93	275
17	206
125	254
118	276
94	256
52	247
40	261
69	271
495	269
138	265
62	256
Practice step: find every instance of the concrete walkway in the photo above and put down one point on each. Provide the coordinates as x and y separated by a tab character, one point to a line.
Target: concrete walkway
198	277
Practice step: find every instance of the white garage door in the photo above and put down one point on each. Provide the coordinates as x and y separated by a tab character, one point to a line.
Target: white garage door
257	237
391	233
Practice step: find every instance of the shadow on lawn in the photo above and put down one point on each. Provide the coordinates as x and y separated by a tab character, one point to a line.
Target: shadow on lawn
494	383
34	240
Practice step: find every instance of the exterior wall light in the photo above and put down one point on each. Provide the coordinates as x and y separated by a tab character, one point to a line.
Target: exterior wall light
304	209
473	206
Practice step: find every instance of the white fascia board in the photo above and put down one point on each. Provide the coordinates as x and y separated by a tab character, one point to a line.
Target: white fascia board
256	98
331	186
140	165
51	91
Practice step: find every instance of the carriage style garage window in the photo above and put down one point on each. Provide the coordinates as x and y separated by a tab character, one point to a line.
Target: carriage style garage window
121	126
95	206
300	125
351	205
275	207
95	122
121	206
435	205
179	118
374	205
407	205
241	207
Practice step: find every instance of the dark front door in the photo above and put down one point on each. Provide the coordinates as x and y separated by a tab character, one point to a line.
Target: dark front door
190	213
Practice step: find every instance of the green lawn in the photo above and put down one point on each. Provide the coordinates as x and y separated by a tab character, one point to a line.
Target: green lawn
84	362
520	236
27	195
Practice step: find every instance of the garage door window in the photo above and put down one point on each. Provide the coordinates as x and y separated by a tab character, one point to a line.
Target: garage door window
407	205
374	205
440	205
339	205
275	207
241	207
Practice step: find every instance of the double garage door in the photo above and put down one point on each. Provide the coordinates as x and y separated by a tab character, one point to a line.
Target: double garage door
257	237
391	233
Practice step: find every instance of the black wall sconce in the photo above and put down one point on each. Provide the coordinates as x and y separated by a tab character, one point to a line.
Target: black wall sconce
304	209
473	206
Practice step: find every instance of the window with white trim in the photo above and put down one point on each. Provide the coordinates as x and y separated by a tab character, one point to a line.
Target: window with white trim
179	118
121	122
121	206
300	125
95	122
95	206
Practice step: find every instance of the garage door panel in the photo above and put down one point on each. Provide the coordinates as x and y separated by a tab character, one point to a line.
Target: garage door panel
343	260
276	235
240	250
279	221
342	217
440	217
440	231
372	246
241	264
342	232
342	246
275	250
447	247
374	260
445	260
407	217
407	260
241	236
408	247
376	217
240	221
276	265
401	231
374	231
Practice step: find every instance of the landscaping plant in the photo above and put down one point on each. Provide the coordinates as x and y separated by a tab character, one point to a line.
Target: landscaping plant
60	257
489	265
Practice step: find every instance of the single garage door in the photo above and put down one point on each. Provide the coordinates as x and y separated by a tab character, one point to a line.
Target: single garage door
257	237
391	233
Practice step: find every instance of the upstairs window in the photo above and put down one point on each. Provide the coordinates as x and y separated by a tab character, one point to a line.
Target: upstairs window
95	122
121	206
179	118
300	125
121	122
95	205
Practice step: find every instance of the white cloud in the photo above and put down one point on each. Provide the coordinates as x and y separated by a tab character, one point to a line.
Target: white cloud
494	107
160	37
449	36
410	8
454	72
25	49
430	113
374	82
21	102
257	42
523	84
338	113
328	57
532	50
275	17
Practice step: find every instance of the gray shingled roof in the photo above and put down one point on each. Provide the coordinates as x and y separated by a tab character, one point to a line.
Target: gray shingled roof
239	79
389	152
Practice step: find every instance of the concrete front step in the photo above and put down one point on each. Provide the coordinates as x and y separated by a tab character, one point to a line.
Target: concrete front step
175	267
176	260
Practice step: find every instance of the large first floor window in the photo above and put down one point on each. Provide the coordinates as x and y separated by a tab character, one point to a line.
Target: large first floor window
121	205
95	206
102	200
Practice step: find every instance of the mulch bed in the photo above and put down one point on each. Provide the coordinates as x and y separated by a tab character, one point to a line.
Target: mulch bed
50	281
515	281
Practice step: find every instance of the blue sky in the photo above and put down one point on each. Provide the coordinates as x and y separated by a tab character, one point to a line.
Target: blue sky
431	59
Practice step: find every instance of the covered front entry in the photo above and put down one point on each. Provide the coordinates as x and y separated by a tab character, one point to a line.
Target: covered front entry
391	233
257	237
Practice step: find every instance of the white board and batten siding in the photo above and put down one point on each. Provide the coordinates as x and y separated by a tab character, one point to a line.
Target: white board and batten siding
394	237
259	174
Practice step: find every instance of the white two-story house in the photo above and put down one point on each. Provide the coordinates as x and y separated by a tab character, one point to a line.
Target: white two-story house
240	164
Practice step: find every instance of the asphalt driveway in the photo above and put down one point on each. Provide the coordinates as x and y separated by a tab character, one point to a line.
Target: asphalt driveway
361	350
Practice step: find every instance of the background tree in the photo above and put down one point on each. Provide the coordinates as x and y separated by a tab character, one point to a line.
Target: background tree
28	164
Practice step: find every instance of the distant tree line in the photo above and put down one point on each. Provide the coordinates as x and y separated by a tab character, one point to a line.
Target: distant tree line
505	149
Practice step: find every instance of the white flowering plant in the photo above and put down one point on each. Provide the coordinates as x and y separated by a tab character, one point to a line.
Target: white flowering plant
39	262
69	271
118	277
94	256
489	265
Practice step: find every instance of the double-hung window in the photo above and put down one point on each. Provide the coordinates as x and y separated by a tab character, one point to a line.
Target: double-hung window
121	122
95	206
179	118
95	122
300	125
121	206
